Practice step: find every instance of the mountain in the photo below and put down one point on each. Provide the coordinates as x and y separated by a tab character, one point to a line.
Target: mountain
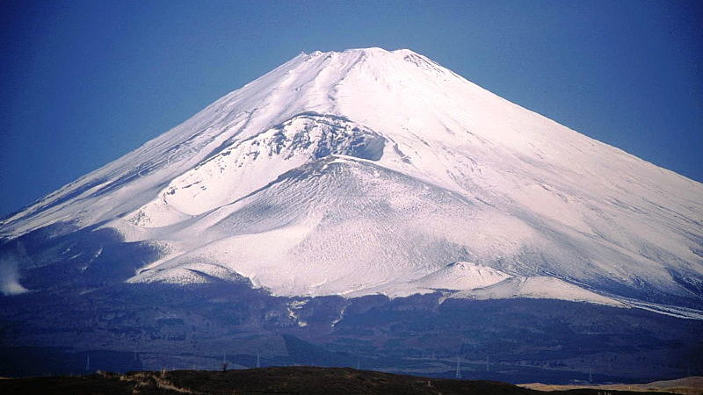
367	171
341	176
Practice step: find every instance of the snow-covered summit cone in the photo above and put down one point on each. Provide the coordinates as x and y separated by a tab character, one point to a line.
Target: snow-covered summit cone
370	171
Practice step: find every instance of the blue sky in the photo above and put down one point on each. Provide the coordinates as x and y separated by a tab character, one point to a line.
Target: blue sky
84	82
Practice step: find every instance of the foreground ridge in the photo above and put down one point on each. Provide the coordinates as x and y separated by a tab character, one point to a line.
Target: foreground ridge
303	379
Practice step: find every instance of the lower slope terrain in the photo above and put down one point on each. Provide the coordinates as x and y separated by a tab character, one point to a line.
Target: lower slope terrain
122	327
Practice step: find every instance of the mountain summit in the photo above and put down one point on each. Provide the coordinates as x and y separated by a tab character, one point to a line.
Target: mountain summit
371	171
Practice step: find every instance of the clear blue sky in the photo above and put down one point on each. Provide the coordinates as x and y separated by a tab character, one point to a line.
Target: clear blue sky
84	82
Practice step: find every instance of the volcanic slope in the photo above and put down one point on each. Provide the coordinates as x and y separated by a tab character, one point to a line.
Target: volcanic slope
372	171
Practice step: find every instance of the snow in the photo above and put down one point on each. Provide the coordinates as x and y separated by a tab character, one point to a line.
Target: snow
10	276
369	171
461	276
537	288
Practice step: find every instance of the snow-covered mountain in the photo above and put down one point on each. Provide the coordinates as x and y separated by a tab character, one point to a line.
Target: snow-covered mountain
372	171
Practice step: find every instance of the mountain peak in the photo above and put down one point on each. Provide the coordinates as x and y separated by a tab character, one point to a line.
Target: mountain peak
375	55
367	51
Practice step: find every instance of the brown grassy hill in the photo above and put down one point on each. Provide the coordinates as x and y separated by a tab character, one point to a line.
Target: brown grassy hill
274	380
686	386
